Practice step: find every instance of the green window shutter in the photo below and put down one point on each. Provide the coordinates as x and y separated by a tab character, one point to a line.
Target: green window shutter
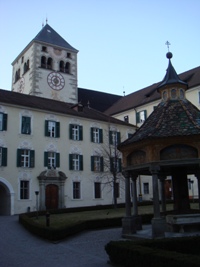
91	134
81	162
19	152
101	164
145	114
57	129
100	136
92	163
46	133
5	117
32	159
4	156
80	133
138	117
118	138
111	164
46	159
120	165
70	162
57	160
70	131
110	138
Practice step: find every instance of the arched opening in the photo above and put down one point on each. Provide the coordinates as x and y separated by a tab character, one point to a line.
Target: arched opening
6	198
62	66
43	62
67	68
49	63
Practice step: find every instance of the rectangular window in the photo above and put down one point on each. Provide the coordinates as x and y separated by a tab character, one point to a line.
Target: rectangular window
146	188
97	190
114	138
115	165
76	190
126	118
3	122
97	164
51	159
26	125
52	129
25	158
24	189
3	156
141	116
117	191
76	132
96	135
75	162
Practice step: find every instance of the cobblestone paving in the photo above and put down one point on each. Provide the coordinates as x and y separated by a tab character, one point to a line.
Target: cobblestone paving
20	248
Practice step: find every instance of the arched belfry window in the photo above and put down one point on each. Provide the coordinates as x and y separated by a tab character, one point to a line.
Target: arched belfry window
67	67
25	67
17	75
61	66
49	63
43	62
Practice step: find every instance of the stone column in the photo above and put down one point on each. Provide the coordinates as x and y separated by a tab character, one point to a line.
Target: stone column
197	174
41	193
162	178
137	218
158	223
128	226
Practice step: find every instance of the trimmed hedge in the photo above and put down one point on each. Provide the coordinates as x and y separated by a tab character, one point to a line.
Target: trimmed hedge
133	253
53	234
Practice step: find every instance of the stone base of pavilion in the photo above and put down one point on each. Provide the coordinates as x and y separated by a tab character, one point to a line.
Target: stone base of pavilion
131	224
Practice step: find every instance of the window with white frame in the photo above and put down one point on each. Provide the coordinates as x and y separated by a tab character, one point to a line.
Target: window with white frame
51	159
75	162
114	138
76	190
97	164
75	132
97	190
146	188
26	125
25	158
52	129
115	164
24	189
141	116
96	135
3	122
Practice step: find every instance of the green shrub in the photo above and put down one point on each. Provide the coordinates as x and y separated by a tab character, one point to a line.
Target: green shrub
141	253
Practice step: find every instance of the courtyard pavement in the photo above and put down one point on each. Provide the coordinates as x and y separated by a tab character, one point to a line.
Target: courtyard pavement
18	247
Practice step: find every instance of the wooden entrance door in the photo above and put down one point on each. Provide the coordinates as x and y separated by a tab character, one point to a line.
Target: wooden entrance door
51	196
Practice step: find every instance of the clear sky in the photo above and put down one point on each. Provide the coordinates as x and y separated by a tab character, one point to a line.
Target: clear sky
121	43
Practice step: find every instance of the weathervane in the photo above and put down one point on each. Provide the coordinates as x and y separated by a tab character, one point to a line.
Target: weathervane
168	44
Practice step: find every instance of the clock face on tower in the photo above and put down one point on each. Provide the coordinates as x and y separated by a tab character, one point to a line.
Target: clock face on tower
55	81
20	88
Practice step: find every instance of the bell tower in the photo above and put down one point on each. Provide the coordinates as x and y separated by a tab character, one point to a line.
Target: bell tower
47	67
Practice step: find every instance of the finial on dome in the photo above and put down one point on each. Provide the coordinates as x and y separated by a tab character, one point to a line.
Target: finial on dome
169	54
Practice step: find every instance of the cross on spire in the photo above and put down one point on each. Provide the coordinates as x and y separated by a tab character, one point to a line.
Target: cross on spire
168	44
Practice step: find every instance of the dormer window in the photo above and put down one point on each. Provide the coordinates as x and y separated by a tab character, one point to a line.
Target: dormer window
173	94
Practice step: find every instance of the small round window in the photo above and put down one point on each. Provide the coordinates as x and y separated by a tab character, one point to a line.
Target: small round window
173	94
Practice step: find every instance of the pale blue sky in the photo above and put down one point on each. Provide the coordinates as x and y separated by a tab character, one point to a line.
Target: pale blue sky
121	43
